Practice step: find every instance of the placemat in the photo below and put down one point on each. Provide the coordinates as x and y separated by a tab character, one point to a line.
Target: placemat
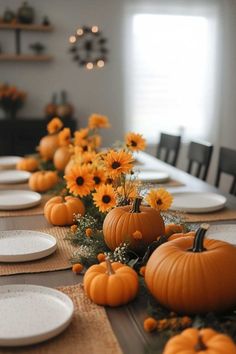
60	259
224	214
90	331
170	183
16	186
37	210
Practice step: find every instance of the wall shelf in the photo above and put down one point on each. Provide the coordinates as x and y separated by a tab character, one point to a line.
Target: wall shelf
24	27
25	57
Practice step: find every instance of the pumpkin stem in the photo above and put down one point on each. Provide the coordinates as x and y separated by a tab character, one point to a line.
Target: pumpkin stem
136	205
200	344
110	270
199	239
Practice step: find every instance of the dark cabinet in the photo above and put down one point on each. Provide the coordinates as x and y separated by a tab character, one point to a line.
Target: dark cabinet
21	136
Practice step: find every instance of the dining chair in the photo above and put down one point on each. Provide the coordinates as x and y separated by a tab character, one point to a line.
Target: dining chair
227	164
168	148
199	156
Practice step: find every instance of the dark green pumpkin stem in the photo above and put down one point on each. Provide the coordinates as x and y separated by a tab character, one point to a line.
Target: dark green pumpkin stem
199	239
200	344
110	270
136	205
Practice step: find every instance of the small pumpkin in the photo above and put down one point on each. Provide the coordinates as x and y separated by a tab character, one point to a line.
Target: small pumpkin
193	340
180	234
62	157
29	164
173	229
139	225
42	181
110	284
69	166
62	210
192	275
48	145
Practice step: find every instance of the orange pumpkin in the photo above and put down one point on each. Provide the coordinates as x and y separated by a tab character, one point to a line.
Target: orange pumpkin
48	145
206	340
62	157
139	225
69	166
110	284
192	275
180	234
173	229
29	164
42	181
61	211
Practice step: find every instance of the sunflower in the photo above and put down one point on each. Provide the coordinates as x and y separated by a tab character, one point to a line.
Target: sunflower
64	137
159	199
80	136
54	125
105	198
98	121
99	177
135	142
89	156
118	162
79	180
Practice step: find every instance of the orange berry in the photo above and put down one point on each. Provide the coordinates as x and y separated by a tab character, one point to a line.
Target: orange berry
137	235
142	271
77	268
101	257
149	324
88	232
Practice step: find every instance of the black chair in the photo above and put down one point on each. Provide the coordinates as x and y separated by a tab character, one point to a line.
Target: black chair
168	148
199	156
227	164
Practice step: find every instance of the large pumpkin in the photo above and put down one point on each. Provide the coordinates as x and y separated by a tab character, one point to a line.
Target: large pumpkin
138	225
62	157
48	145
110	284
29	164
42	181
205	340
192	275
61	211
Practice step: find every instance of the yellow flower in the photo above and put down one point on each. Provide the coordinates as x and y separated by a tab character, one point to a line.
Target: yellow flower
88	232
73	228
159	199
54	125
89	157
64	137
98	121
135	142
118	162
80	136
99	177
104	198
79	180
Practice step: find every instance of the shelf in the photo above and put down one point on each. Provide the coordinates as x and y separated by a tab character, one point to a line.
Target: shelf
24	27
25	57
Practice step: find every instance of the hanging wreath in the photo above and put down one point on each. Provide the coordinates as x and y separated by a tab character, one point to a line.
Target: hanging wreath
88	47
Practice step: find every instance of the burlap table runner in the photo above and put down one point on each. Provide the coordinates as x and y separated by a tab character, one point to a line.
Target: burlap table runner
224	214
24	186
90	331
60	259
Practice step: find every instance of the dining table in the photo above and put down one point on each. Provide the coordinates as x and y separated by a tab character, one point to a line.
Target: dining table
126	321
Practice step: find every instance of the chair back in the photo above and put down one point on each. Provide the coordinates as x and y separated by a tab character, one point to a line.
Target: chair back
227	164
168	148
199	156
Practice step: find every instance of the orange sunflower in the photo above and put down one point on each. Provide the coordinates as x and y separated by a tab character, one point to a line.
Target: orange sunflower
105	198
98	121
79	181
135	142
54	125
118	162
99	177
159	199
89	156
64	137
80	136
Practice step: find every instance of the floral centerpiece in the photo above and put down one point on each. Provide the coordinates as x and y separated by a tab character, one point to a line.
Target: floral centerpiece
11	100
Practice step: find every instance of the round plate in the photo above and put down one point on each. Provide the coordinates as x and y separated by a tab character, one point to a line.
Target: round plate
18	199
14	176
31	314
9	161
225	233
197	202
25	245
152	176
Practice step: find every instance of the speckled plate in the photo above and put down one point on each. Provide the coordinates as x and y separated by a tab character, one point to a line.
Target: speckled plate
31	314
18	199
14	176
25	245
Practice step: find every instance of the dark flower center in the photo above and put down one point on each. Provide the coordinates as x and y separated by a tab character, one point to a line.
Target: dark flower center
133	143
97	179
159	202
115	165
109	180
106	199
80	181
85	148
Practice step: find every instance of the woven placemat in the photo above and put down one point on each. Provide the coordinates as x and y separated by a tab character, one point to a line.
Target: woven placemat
225	214
170	183
90	331
24	186
60	259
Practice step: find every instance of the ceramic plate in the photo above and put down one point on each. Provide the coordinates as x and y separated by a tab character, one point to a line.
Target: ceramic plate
152	176
25	245
9	161
31	314
197	202
18	199
225	233
14	176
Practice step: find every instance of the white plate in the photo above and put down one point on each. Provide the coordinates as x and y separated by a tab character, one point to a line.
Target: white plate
197	202
25	245
14	176
18	199
152	176
31	314
9	161
225	233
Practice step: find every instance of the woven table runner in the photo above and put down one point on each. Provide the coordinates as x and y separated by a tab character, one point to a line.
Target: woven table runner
17	186
170	183
90	331
225	214
60	259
